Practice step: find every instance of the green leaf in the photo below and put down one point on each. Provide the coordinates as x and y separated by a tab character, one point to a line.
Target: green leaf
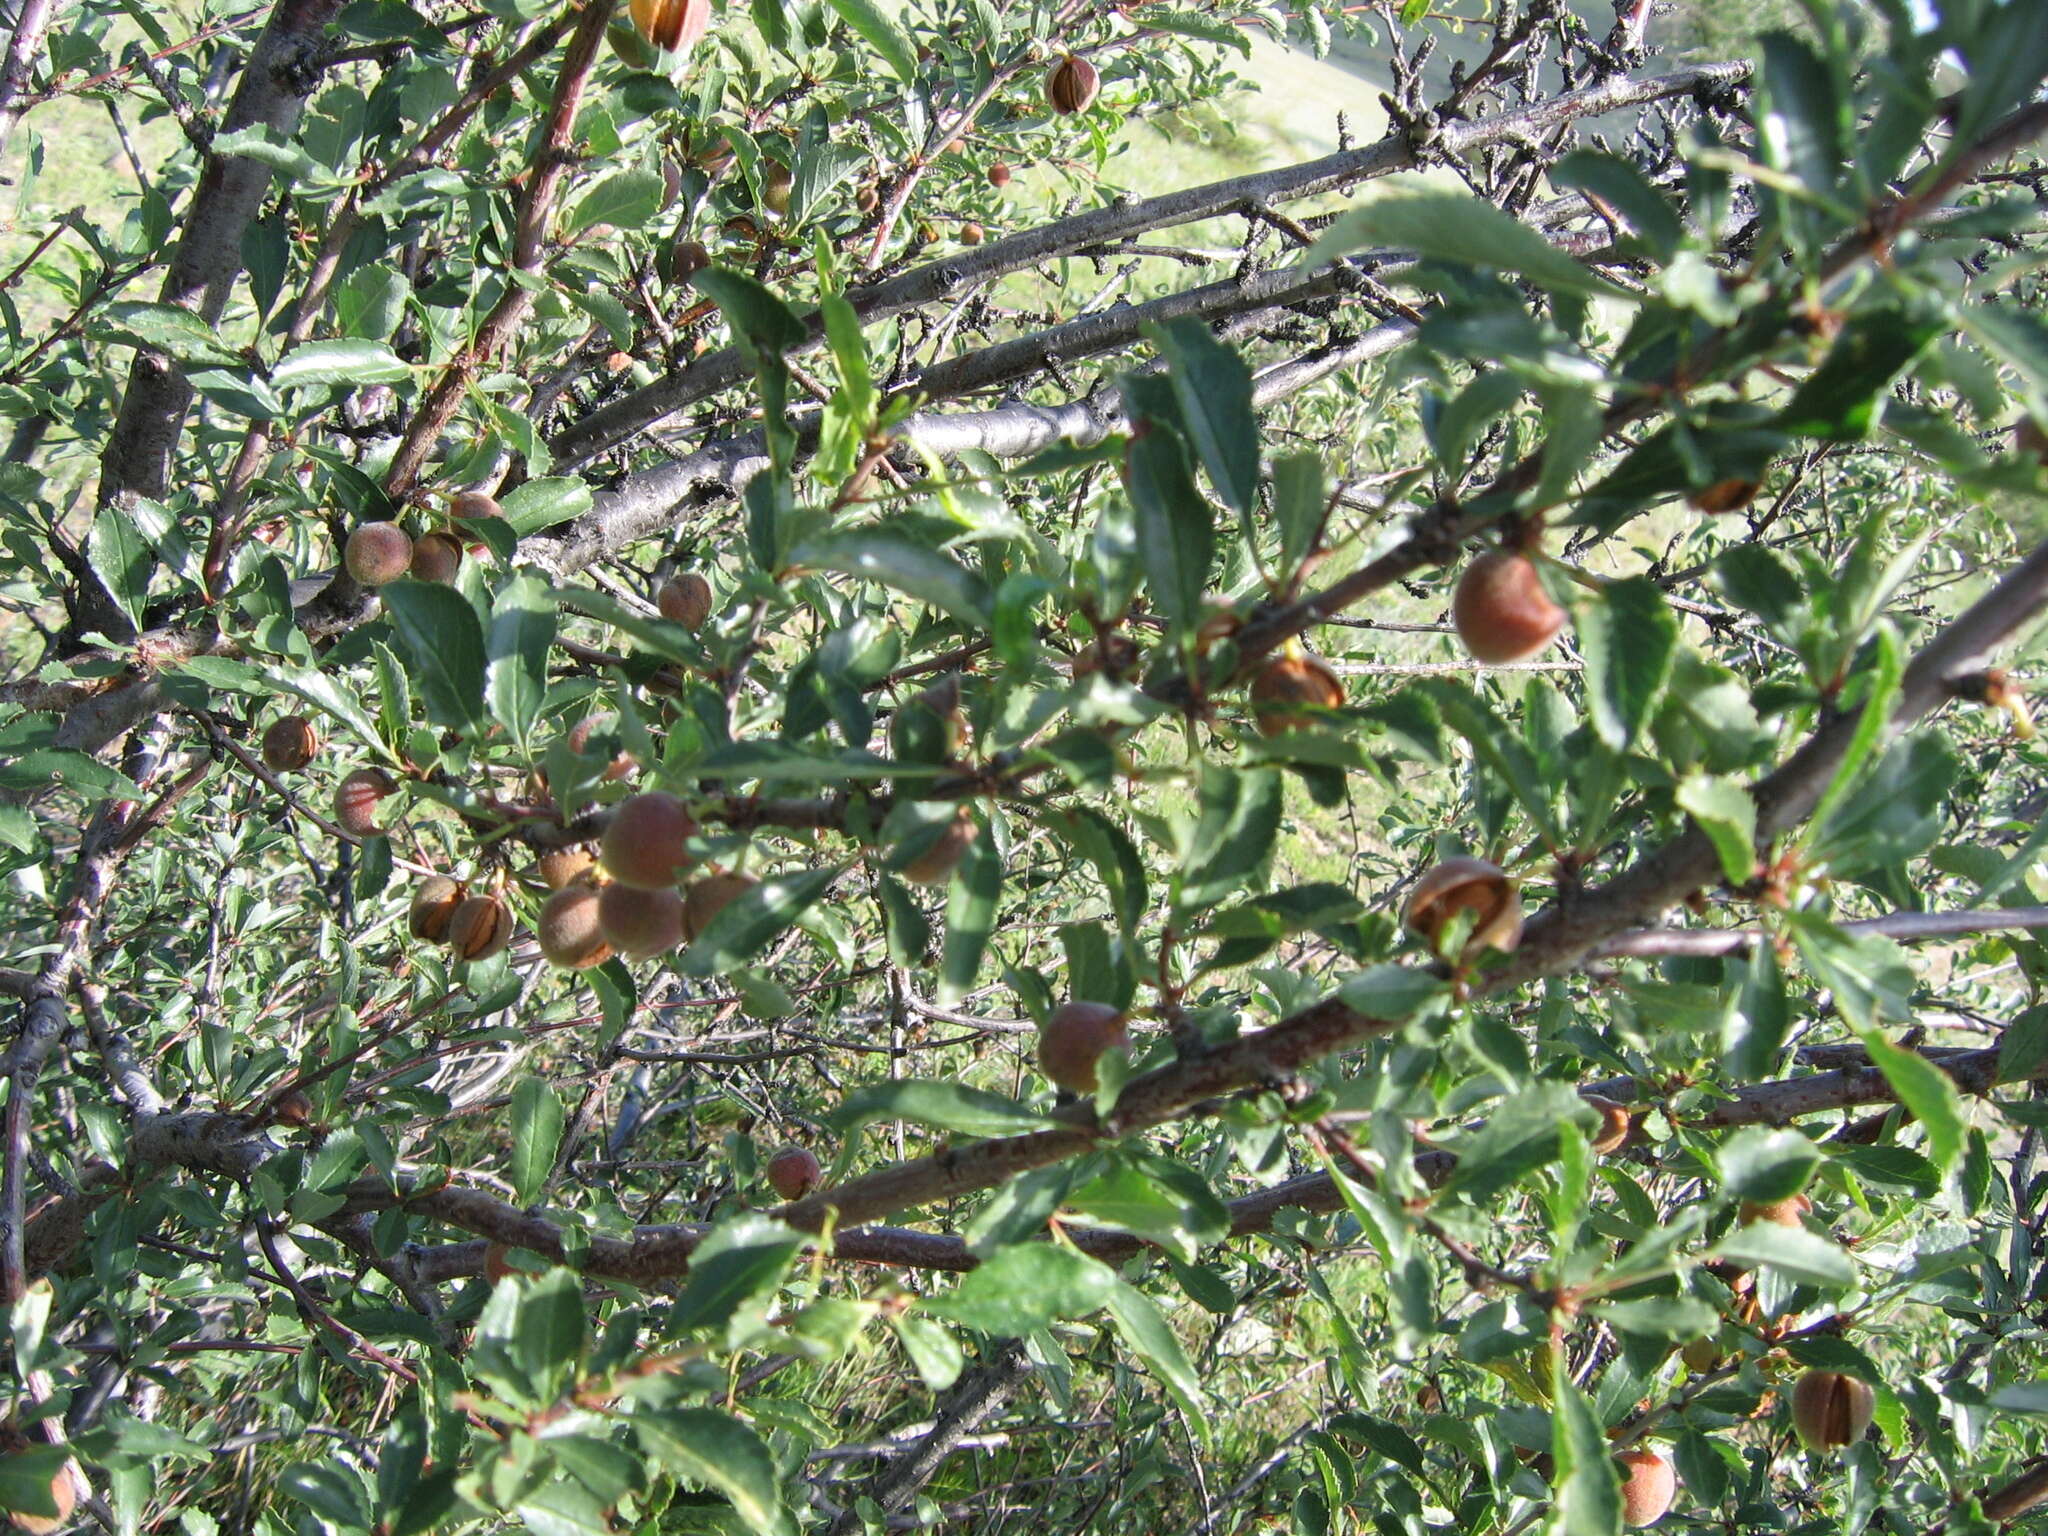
1883	693
1766	1165
1628	637
1152	1339
1617	183
1519	1136
760	321
536	1121
1838	401
1232	835
516	679
896	559
122	558
1457	226
349	363
626	200
444	648
748	925
736	1268
1800	123
543	503
178	333
1660	1317
255	142
1213	385
1179	1212
721	1453
1176	526
1726	813
1928	1093
971	904
327	695
941	1106
932	1350
1585	1485
883	33
1024	1288
1797	1254
333	1490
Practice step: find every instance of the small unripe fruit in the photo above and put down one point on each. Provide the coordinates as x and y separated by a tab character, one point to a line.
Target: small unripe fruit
295	1108
1648	1485
558	866
1072	85
289	744
474	505
1789	1212
480	927
1501	611
436	557
646	844
1073	1041
1462	885
704	899
640	924
1291	691
62	1495
356	799
1830	1409
1700	1355
686	258
775	188
433	905
794	1172
936	864
999	175
378	553
971	234
672	25
498	1263
1615	1124
685	599
568	929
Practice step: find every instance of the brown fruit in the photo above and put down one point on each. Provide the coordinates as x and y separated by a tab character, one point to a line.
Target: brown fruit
377	553
558	866
433	905
436	557
999	175
289	743
498	1263
568	929
1501	610
704	899
295	1108
775	187
1648	1485
1111	654
867	199
794	1172
1290	691
480	927
356	799
640	924
1830	1409
646	844
1615	1124
685	599
475	505
579	742
1074	1039
686	258
936	864
1072	86
1730	495
1462	885
1789	1212
672	25
62	1495
972	234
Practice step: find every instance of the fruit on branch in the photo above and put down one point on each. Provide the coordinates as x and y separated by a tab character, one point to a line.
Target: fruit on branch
685	599
1291	690
289	744
62	1495
972	234
686	258
1615	1124
579	742
936	864
479	927
1073	1040
775	187
474	505
1501	611
672	25
794	1172
356	799
1700	1355
569	930
433	905
436	557
1830	1409
646	845
1072	85
999	175
1648	1485
704	899
558	866
1112	654
377	553
1465	885
294	1108
1730	495
1788	1212
640	924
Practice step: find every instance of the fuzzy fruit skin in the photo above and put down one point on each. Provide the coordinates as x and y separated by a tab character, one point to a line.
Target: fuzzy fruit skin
293	1109
936	864
498	1263
474	505
62	1494
685	599
377	553
436	557
1648	1485
1615	1124
1501	611
644	845
1789	1212
672	25
480	927
793	1172
686	258
972	234
1830	1409
640	924
433	906
1074	1039
290	744
356	799
1289	690
579	742
558	866
999	175
568	929
1462	884
775	188
704	899
1072	86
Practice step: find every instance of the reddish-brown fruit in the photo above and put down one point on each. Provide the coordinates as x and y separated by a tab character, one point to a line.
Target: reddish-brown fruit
646	844
794	1172
704	899
433	905
1648	1485
356	799
1073	1040
295	1108
1466	885
640	924
672	25
686	258
936	864
1788	1212
1501	610
972	234
569	931
378	553
999	175
436	557
498	1263
1072	86
1830	1409
1290	691
1730	495
289	744
867	199
1111	654
480	927
475	505
558	866
775	187
579	742
685	599
62	1495
1615	1124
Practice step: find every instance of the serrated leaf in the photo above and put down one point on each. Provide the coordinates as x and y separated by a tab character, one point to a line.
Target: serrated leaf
883	33
1213	384
516	677
444	648
536	1122
746	926
1794	1252
1726	813
895	559
1152	1339
1024	1288
348	363
1628	637
721	1453
940	1106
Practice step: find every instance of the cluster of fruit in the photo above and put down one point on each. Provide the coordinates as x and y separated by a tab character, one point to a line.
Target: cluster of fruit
380	553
